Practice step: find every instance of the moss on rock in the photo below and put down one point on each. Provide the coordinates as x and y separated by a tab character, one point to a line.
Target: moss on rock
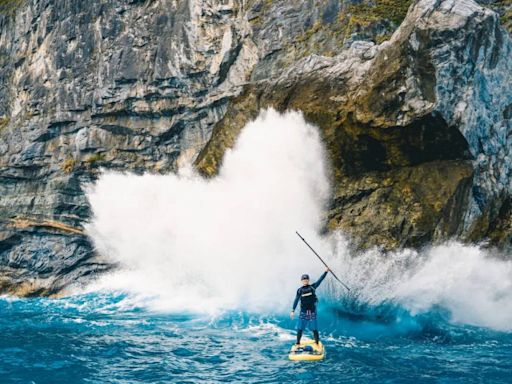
68	165
367	12
4	122
95	159
9	6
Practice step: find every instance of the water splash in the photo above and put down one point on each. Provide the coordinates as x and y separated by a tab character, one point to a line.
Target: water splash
465	282
188	243
227	242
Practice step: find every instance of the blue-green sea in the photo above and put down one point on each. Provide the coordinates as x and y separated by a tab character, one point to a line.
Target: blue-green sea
109	338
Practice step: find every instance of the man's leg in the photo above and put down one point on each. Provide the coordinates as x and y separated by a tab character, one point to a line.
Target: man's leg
299	335
300	329
317	337
315	330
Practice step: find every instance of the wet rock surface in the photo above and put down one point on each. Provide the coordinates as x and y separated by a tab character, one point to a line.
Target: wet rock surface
417	128
410	126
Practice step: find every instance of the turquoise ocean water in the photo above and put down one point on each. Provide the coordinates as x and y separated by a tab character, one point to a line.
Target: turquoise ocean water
110	338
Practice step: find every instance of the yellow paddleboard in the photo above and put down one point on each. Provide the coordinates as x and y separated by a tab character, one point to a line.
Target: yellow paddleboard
307	351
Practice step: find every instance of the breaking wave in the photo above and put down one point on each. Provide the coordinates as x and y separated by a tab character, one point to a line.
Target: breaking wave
186	243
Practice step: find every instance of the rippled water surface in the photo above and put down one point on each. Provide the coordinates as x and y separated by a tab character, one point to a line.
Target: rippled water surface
105	338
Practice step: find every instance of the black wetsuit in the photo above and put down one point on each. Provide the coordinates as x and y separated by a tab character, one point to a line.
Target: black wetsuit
307	296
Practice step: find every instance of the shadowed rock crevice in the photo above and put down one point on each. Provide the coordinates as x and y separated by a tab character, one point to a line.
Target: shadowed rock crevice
360	148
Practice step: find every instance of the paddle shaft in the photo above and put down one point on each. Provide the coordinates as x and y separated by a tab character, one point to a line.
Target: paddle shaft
322	260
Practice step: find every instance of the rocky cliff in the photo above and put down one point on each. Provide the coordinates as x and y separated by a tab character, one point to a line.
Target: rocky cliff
417	127
416	120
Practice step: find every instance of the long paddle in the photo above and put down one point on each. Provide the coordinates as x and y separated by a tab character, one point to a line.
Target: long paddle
317	255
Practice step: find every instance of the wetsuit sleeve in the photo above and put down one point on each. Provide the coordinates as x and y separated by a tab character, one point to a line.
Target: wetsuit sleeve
296	301
317	283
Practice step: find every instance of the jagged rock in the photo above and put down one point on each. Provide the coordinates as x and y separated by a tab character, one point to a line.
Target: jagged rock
130	86
149	85
416	127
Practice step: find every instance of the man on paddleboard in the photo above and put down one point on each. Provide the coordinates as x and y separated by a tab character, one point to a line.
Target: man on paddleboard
307	296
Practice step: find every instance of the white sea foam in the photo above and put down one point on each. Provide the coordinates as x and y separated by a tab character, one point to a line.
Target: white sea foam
227	242
473	286
187	243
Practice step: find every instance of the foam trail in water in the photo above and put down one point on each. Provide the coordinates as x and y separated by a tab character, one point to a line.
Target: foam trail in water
227	242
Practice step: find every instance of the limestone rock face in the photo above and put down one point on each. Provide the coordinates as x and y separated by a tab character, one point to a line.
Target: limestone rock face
134	85
417	128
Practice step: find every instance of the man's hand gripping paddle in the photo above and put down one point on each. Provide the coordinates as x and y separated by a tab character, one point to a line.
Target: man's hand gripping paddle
317	255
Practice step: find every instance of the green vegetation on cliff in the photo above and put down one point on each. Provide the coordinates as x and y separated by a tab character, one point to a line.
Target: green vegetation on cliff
504	8
506	20
366	14
8	6
95	158
4	122
362	17
333	26
68	165
394	10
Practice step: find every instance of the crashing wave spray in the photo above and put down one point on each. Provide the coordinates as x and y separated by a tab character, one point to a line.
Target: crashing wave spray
222	243
229	242
472	285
